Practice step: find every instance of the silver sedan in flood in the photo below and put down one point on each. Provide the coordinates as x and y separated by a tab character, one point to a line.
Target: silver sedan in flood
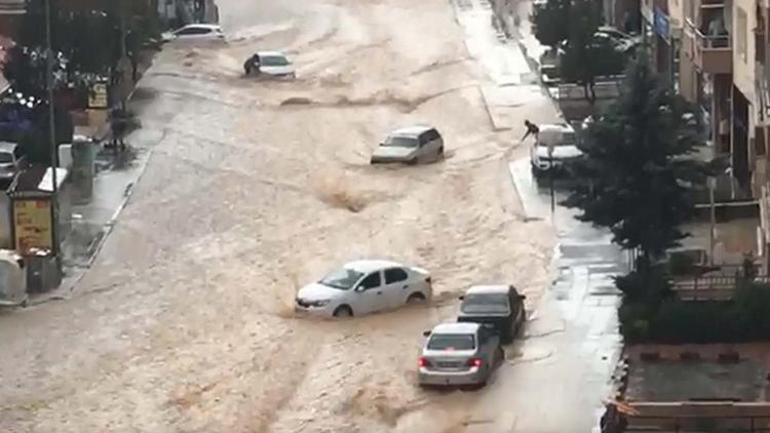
410	145
457	354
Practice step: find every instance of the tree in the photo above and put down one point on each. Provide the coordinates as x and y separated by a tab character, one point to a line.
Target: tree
551	22
637	167
569	27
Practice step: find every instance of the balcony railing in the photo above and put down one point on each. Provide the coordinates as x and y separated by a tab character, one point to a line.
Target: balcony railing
713	42
712	54
12	7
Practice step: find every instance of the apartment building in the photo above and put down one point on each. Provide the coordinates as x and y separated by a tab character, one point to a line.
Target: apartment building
722	69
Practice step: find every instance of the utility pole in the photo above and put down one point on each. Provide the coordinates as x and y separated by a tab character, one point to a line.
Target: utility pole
123	50
52	136
551	169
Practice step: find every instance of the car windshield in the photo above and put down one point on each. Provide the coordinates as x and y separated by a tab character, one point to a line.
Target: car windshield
558	138
485	303
273	61
452	342
342	279
396	141
6	157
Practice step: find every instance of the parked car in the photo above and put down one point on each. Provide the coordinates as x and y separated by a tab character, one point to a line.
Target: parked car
271	63
365	286
195	32
554	149
618	35
410	145
500	306
457	354
11	159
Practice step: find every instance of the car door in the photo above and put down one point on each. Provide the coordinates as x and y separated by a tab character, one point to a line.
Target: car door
430	147
370	296
397	287
486	353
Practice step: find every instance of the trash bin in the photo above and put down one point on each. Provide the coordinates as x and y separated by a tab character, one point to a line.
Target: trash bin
83	169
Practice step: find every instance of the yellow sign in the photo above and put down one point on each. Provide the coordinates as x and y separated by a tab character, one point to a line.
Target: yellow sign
32	222
97	97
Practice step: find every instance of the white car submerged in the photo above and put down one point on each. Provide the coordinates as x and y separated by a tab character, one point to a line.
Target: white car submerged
554	149
410	145
363	287
270	64
194	32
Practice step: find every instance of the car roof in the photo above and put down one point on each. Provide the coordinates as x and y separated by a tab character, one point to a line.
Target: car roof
556	127
410	131
201	26
271	54
456	328
498	288
370	265
7	146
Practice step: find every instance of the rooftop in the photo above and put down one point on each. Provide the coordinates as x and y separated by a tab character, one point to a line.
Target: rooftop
7	146
410	131
698	373
456	328
366	266
501	288
37	179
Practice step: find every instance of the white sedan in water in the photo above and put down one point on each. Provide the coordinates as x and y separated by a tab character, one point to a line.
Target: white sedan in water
363	287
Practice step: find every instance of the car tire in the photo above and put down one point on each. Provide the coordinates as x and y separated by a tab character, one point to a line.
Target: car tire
412	161
416	298
343	311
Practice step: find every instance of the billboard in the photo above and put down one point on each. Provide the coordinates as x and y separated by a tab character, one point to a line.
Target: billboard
32	225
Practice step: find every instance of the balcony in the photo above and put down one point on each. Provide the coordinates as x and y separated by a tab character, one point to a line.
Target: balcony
707	41
12	7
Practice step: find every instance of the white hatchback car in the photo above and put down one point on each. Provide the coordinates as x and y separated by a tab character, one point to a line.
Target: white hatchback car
271	63
554	150
195	32
365	286
410	145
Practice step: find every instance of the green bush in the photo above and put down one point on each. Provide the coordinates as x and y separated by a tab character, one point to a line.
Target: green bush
649	287
745	318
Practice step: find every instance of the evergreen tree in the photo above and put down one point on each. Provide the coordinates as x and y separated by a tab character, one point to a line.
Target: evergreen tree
570	26
551	22
637	165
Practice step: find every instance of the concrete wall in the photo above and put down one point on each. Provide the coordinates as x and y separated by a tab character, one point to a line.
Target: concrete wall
744	64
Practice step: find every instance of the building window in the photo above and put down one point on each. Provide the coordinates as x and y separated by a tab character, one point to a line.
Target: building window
742	36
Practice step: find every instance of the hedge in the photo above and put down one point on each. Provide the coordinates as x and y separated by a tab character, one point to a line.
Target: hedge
745	318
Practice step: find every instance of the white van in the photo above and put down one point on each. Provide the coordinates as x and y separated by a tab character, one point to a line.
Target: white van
555	146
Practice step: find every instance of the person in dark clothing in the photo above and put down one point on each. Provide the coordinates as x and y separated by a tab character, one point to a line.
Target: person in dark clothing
252	64
532	129
613	421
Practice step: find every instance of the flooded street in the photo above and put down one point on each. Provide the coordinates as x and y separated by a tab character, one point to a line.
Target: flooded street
185	321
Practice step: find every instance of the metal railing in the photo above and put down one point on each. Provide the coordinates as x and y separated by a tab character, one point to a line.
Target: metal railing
723	41
700	424
711	288
13	6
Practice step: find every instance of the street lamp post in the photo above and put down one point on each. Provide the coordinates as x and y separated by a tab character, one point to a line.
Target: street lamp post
712	185
52	134
550	179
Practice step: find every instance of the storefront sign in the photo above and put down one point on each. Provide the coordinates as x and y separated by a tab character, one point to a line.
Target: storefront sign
97	97
32	224
661	23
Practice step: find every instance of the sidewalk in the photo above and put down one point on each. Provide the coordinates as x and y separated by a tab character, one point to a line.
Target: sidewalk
116	174
515	92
